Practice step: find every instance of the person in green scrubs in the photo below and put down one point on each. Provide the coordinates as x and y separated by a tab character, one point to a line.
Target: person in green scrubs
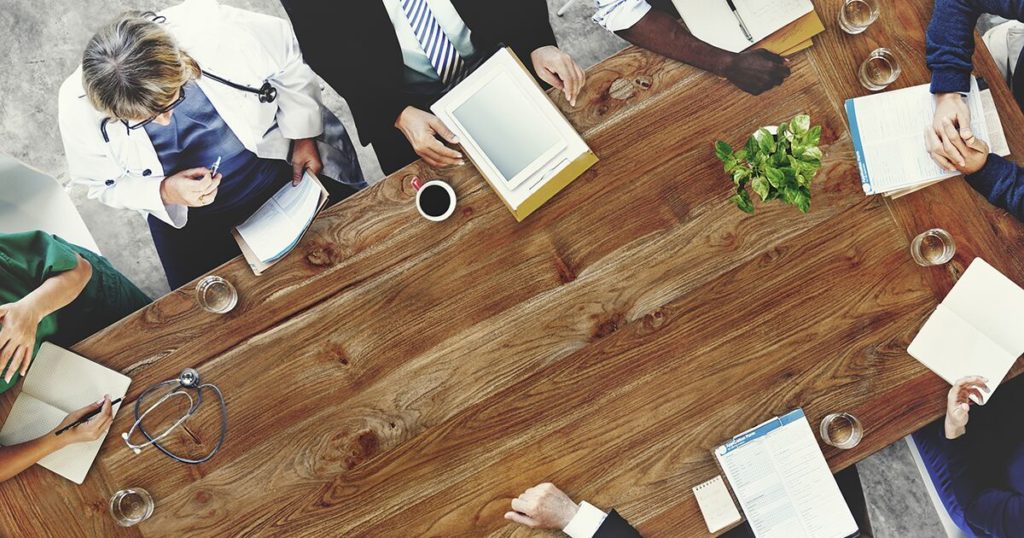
54	291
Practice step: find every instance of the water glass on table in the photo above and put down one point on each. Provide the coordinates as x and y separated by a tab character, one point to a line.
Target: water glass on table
131	506
934	247
856	15
216	295
841	430
879	70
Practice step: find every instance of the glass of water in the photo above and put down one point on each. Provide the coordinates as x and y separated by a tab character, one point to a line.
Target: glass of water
216	295
131	506
856	15
841	430
879	70
934	247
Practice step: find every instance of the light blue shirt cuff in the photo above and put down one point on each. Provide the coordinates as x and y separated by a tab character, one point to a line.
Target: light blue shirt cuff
586	521
616	15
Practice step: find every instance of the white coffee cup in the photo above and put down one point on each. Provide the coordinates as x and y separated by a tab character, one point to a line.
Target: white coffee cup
435	199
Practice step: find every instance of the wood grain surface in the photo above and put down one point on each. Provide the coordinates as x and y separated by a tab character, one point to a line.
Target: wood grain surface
395	377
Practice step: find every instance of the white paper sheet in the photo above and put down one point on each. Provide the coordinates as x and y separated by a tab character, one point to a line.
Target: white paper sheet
277	225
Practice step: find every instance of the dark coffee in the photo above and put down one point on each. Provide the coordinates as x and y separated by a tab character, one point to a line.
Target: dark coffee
435	200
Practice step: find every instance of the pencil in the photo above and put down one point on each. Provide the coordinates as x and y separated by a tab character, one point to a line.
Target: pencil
86	417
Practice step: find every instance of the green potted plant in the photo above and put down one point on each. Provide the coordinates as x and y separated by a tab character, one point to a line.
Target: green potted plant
775	165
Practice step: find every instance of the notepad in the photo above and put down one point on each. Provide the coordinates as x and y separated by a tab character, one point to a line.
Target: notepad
783	483
276	227
976	330
888	131
713	22
59	382
716	504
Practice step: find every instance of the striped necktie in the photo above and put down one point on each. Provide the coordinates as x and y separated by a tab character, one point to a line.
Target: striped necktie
438	48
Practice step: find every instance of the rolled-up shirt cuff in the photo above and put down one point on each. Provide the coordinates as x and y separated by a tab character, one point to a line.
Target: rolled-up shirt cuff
622	15
586	521
950	81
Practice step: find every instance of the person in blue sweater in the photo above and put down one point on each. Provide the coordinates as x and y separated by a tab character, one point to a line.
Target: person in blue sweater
950	46
978	472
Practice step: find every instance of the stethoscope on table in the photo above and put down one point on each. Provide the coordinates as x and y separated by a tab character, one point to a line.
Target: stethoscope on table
186	383
266	93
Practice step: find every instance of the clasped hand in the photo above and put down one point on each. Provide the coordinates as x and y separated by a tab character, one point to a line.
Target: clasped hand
950	140
17	337
191	188
958	404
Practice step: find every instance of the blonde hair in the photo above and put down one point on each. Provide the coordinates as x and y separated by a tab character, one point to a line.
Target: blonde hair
132	68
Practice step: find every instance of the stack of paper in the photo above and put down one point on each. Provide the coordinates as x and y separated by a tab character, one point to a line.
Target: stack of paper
713	21
58	383
783	483
976	330
888	132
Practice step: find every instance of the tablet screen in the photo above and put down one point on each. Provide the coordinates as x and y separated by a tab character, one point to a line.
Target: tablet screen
510	130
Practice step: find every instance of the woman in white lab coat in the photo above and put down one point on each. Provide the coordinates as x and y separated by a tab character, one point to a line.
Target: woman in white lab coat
160	98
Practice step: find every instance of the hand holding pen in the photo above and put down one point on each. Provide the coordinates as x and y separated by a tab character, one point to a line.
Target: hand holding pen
88	423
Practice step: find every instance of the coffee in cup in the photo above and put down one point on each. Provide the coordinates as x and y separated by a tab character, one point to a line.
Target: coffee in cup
435	199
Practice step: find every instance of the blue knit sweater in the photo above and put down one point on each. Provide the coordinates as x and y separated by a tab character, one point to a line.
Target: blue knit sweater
950	47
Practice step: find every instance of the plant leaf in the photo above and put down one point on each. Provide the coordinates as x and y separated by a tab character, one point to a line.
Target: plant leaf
813	137
801	124
730	164
811	155
775	176
740	176
765	140
802	199
761	187
723	150
742	201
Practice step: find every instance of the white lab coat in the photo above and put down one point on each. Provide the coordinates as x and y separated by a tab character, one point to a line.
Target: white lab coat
238	45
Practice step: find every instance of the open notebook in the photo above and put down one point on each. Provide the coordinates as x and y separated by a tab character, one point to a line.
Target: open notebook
58	383
783	482
976	330
713	22
276	227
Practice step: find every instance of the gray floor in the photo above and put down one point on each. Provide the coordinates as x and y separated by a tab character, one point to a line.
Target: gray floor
43	44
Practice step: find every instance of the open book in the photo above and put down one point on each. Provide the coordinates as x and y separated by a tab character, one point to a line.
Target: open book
276	227
976	330
58	383
783	482
713	21
888	131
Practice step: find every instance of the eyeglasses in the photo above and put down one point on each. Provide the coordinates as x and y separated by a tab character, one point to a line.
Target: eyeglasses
166	109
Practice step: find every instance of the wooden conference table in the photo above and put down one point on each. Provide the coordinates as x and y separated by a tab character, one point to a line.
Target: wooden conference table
394	377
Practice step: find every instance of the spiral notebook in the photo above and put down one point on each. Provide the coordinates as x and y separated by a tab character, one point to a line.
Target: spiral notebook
716	505
58	383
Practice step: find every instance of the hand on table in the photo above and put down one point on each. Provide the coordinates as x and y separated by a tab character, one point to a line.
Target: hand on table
191	188
421	129
543	507
90	430
558	69
305	156
756	71
958	404
18	336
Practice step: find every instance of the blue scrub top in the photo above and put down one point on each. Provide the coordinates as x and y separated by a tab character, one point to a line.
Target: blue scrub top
196	137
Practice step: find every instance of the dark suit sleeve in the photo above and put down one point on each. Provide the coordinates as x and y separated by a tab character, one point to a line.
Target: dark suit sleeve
352	46
1002	183
950	39
523	25
616	527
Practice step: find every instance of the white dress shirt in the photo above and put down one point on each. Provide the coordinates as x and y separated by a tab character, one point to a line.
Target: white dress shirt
616	15
418	67
586	521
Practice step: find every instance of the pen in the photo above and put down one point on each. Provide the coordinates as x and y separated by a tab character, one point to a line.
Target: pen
90	414
739	19
216	165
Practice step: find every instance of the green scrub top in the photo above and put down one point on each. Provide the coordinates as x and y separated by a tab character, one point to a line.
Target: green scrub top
30	258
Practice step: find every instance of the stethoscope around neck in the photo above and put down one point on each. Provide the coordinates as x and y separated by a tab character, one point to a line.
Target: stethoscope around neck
187	383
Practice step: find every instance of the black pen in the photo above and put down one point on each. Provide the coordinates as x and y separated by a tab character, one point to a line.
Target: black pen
739	19
86	417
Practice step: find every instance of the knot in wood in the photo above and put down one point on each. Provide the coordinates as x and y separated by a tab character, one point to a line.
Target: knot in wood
621	89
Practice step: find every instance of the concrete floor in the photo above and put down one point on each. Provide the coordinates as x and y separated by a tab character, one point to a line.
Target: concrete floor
43	46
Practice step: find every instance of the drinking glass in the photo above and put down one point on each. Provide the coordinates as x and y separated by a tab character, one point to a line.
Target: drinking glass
131	506
934	247
879	70
216	295
841	430
856	15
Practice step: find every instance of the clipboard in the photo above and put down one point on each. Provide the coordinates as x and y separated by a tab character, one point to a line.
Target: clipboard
257	265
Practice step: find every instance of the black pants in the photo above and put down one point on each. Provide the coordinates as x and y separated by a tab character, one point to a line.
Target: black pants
205	242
